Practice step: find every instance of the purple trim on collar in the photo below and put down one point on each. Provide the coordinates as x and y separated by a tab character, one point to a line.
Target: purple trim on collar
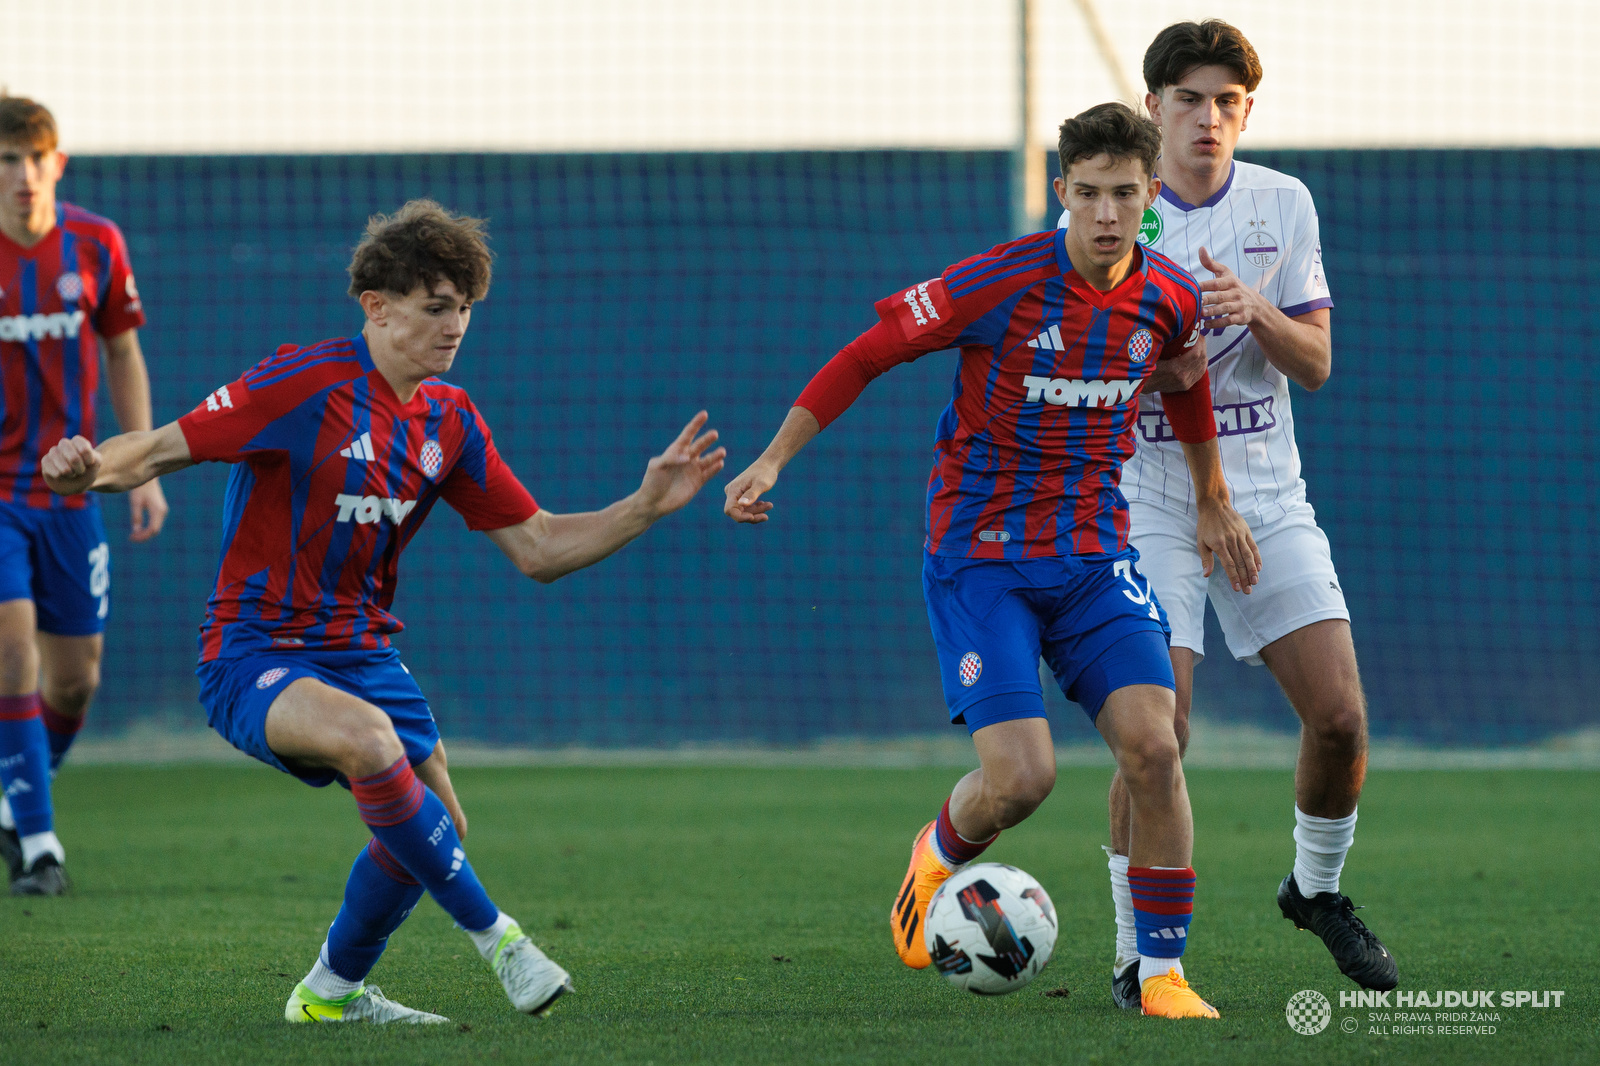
1306	308
1216	198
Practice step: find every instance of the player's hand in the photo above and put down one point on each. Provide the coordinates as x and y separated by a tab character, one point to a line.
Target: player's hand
71	466
1179	373
673	477
147	507
742	496
1226	300
1223	534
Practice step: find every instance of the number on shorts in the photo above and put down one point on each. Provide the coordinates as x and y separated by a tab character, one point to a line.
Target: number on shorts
100	576
1123	568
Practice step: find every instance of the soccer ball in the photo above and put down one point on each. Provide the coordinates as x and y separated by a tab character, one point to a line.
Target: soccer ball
990	929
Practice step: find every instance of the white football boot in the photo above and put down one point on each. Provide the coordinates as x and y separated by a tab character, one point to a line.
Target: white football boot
532	982
366	1005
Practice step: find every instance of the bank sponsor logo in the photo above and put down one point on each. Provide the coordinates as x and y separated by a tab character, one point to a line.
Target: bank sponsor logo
1149	227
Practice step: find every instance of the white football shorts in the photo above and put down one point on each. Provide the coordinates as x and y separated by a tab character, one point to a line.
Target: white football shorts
1297	586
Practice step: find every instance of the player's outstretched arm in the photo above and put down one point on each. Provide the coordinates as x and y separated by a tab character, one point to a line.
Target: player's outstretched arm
743	502
1220	532
548	546
124	462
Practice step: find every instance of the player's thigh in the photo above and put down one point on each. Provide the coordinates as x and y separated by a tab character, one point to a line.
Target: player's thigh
1169	558
1183	660
69	667
1298	586
1316	666
1017	757
19	654
312	723
1106	631
986	634
72	572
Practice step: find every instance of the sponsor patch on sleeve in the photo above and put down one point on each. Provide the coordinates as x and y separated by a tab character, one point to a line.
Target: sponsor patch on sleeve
921	308
227	398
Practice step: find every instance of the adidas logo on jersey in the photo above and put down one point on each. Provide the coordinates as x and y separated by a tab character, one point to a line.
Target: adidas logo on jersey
1049	340
25	328
360	448
1064	392
368	509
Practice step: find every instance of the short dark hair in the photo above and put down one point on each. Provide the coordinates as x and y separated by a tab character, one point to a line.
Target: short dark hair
1114	129
1184	46
422	244
25	121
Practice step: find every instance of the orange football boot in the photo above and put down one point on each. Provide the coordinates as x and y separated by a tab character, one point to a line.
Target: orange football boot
923	879
1168	995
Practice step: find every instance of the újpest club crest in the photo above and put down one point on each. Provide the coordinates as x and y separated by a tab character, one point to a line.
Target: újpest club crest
1149	227
970	669
1260	248
432	457
1139	346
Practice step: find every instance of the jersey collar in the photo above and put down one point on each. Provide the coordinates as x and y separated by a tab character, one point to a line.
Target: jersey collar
380	384
32	251
1212	201
1088	293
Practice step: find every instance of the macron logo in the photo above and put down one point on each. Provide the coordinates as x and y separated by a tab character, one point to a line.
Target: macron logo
25	328
1064	392
219	399
368	509
1049	340
360	448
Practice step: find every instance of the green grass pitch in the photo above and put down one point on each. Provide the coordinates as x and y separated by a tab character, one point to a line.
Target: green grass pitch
671	894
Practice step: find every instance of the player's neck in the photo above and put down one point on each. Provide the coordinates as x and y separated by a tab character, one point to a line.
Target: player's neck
1100	278
404	378
28	230
1196	183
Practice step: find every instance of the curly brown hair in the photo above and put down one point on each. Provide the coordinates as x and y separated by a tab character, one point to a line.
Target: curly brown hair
1115	129
25	121
422	244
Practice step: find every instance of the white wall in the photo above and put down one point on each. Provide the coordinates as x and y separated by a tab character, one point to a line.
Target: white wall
382	75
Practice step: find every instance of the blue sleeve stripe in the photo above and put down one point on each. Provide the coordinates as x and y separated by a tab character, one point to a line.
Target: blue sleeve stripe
269	378
1044	242
279	367
996	274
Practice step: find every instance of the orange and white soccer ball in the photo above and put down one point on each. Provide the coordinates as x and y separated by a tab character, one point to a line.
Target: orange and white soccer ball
990	929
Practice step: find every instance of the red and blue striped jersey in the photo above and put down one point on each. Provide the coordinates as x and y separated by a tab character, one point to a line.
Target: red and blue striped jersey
55	298
334	477
1029	452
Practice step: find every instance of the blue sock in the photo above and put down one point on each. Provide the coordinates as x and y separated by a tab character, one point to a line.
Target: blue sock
25	764
377	898
413	826
60	730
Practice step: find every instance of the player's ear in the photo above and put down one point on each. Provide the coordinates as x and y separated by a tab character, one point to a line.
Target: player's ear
1155	190
374	304
1152	104
1249	102
1060	186
61	164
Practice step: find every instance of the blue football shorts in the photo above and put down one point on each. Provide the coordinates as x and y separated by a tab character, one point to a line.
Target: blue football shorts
1093	618
237	692
59	559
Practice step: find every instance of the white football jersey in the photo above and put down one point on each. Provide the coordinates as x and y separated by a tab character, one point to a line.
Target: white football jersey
1263	226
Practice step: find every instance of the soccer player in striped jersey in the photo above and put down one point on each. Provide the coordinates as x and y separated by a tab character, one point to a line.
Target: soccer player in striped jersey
340	450
66	291
1026	549
1252	232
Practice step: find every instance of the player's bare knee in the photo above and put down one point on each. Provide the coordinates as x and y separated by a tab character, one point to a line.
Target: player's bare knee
1339	725
367	743
1021	790
1149	760
71	696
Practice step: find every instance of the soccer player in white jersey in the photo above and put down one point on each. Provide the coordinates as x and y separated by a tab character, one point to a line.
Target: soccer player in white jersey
1253	233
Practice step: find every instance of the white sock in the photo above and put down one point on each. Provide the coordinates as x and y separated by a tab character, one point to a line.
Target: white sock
486	939
6	821
327	984
37	844
1150	966
1320	845
1122	897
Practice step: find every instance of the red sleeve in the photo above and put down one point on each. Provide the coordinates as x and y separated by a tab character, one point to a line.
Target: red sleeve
836	386
122	309
499	501
1190	412
911	324
224	423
